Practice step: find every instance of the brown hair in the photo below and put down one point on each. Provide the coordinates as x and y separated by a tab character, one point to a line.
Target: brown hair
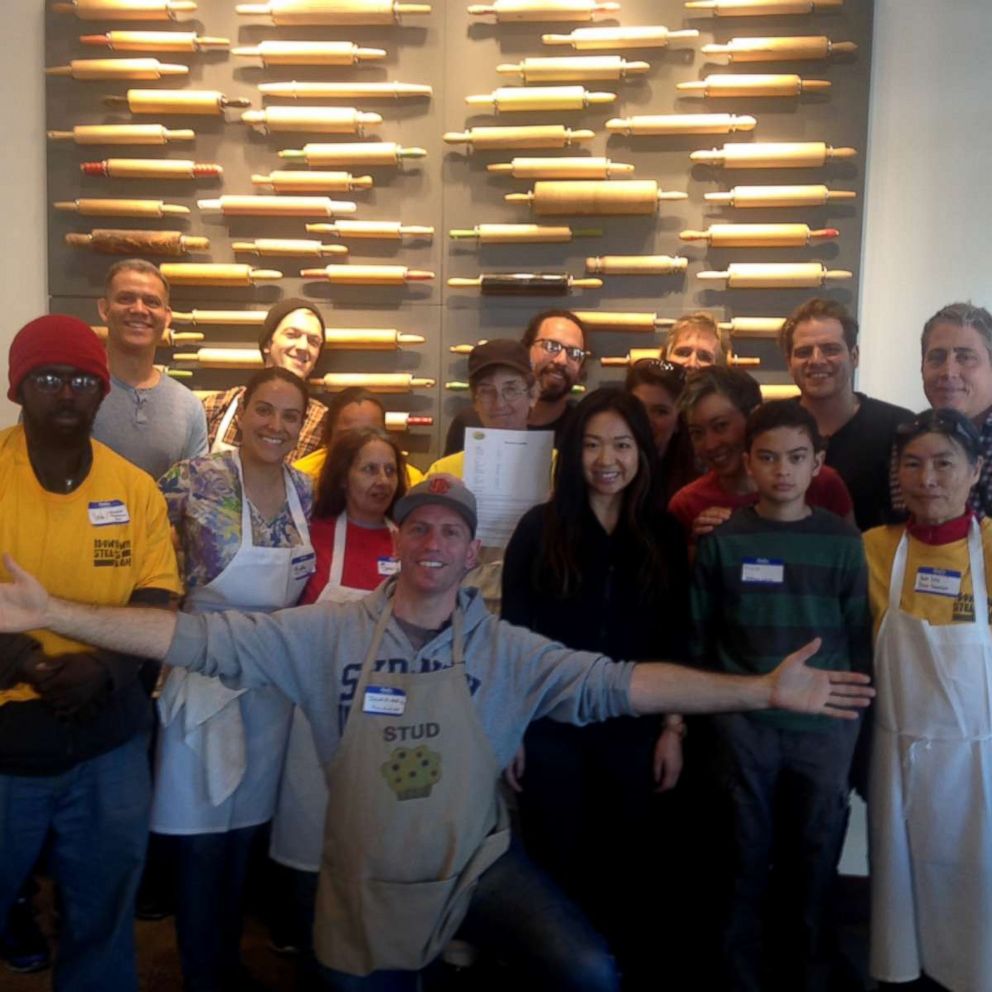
698	320
134	265
818	308
961	315
332	483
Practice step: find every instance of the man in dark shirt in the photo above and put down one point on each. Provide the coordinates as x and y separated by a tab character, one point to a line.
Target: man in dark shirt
820	343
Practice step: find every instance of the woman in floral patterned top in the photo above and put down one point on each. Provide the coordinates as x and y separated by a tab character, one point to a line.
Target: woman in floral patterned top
241	519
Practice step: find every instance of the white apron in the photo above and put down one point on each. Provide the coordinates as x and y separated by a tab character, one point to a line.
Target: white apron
219	446
211	735
298	825
930	798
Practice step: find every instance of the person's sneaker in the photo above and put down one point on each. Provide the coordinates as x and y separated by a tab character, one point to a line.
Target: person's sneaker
23	946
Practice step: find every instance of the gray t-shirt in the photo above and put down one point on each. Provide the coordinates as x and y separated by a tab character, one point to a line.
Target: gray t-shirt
152	428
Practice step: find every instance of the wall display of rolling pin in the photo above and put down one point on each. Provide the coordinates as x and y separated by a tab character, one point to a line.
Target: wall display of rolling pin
432	173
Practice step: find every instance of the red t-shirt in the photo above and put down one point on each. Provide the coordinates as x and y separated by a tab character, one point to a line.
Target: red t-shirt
368	557
827	490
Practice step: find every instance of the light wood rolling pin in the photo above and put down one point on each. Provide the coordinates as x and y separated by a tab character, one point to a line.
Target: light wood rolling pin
522	99
814	195
463	387
752	327
779	391
368	275
773	155
319	120
587	167
352	153
226	318
346	91
169	336
601	39
105	207
273	52
507	234
783	275
389	230
761	8
111	241
788	49
249	358
334	12
636	265
288	181
215	274
577	68
681	124
195	102
506	11
126	10
623	321
591	198
155	41
760	235
375	382
532	136
87	69
151	168
276	206
122	134
754	85
288	248
635	355
524	283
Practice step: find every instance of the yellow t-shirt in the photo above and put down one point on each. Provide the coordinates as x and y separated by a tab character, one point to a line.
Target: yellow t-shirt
312	464
455	464
97	545
880	549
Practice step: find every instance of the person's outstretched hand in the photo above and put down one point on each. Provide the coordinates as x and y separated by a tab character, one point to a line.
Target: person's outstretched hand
797	687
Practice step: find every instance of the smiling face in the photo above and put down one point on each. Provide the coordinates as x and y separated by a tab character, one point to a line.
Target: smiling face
556	374
694	348
136	310
957	369
716	428
610	458
435	549
936	478
502	399
782	464
821	363
63	416
271	421
372	481
662	411
295	345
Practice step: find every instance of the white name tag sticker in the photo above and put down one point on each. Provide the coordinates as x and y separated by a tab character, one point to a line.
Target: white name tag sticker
304	565
938	581
763	571
384	700
388	566
105	512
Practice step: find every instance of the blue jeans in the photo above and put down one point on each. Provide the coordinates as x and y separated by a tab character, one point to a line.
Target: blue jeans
97	816
518	914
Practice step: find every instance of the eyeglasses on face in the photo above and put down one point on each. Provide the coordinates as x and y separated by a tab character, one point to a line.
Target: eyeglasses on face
552	347
509	393
53	382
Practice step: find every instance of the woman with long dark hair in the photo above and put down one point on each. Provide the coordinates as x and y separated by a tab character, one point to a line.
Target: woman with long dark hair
600	569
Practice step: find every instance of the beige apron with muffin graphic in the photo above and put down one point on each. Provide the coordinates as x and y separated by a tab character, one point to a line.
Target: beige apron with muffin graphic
413	819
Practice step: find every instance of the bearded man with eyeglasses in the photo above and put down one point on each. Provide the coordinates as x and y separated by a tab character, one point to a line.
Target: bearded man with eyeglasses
74	720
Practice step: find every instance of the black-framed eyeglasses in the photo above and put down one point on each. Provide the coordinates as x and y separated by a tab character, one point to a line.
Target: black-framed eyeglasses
53	382
572	352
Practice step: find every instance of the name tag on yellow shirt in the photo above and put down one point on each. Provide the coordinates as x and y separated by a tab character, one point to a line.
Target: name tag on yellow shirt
105	512
938	581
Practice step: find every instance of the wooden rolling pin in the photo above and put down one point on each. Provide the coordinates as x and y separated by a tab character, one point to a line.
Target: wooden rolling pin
635	355
542	10
399	420
391	230
761	8
346	91
227	318
525	283
572	68
681	124
352	153
779	196
752	327
369	338
283	181
760	235
773	155
463	387
515	99
276	206
321	120
636	265
375	382
194	102
292	247
317	12
110	241
168	339
533	136
215	274
86	69
790	49
155	41
122	134
97	207
589	167
273	52
785	275
506	234
368	275
600	39
764	84
152	168
126	10
779	391
591	198
612	320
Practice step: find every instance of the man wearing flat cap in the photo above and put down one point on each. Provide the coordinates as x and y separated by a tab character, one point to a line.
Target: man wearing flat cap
291	338
74	720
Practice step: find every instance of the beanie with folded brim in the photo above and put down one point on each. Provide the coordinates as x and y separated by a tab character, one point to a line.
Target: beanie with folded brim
278	313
